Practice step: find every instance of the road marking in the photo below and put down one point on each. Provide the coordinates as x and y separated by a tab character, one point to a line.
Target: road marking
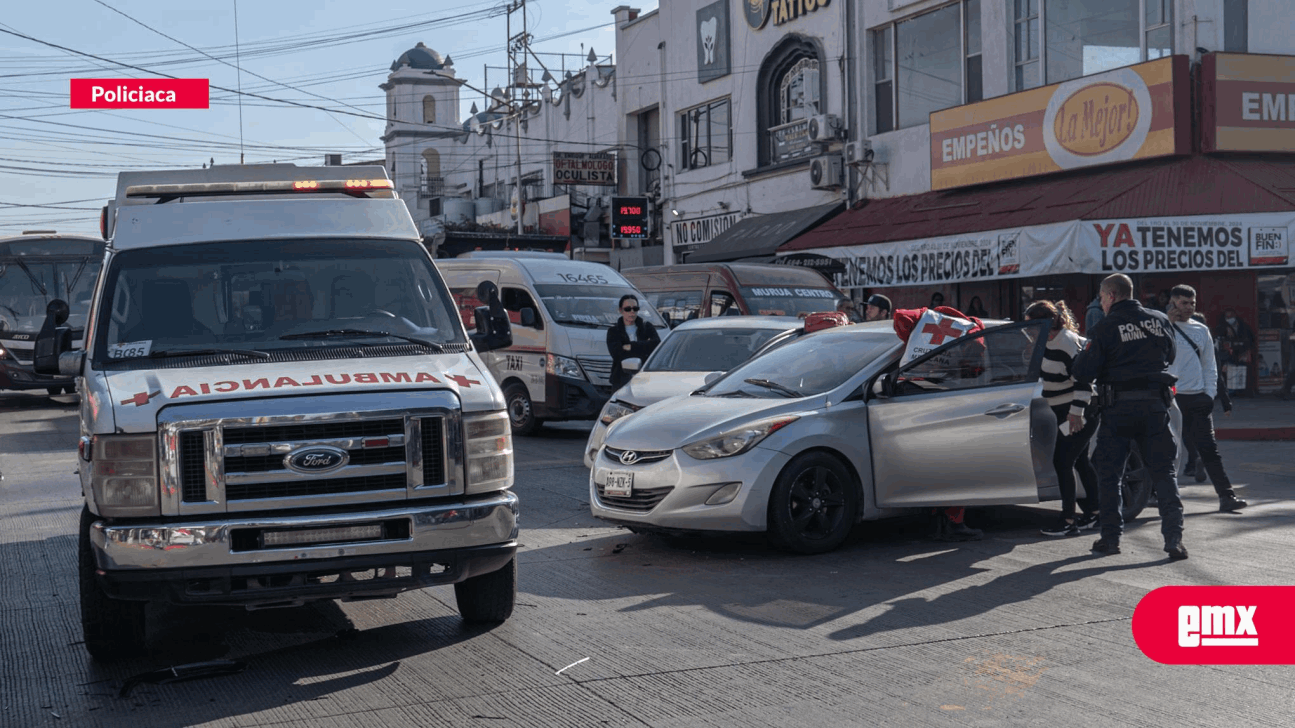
568	667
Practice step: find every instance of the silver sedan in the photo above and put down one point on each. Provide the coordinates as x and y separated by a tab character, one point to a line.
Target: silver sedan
688	354
829	430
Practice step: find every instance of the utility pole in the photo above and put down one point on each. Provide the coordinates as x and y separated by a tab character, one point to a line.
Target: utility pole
518	45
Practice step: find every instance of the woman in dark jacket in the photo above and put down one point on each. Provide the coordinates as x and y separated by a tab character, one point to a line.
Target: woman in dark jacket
629	338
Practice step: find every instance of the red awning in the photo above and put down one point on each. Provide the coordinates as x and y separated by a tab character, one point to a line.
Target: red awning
1196	185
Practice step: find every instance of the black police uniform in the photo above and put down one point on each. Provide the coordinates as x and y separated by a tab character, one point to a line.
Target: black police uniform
1127	355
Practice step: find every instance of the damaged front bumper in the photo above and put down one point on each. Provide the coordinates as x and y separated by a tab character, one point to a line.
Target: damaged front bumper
227	562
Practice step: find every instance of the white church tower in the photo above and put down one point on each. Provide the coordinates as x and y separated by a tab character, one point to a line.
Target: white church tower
422	119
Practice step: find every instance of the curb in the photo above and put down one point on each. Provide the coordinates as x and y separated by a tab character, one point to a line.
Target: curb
1255	433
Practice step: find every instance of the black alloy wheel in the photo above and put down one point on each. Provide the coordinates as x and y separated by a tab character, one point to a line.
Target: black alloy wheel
813	504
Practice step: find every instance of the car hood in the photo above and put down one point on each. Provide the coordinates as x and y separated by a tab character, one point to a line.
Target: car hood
651	387
138	394
672	423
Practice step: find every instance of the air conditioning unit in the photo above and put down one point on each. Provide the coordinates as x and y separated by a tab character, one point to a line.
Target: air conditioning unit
824	127
825	172
858	152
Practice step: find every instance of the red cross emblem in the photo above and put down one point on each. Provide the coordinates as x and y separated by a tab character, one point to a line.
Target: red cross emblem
141	399
461	380
941	330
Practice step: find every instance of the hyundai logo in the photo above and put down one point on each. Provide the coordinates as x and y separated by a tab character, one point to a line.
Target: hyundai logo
316	459
629	457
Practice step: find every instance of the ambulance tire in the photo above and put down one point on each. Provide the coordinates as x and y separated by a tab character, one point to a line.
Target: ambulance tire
521	414
113	629
813	505
488	598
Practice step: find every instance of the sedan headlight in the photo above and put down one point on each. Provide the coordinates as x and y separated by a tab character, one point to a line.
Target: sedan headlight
614	410
561	366
737	440
124	475
488	447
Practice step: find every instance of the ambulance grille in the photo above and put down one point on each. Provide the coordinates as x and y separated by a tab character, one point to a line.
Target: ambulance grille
193	484
433	451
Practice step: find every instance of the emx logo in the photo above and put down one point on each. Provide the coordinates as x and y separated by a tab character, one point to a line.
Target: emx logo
1216	625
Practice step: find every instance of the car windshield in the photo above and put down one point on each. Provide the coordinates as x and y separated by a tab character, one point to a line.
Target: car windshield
273	295
788	300
27	285
708	350
585	305
809	365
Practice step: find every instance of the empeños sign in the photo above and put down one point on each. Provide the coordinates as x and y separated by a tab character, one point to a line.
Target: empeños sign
1247	103
1136	112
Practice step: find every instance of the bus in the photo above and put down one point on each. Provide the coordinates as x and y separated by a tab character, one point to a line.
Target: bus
36	268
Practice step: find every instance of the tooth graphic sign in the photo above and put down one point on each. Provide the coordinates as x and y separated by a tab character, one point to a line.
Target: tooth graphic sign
712	42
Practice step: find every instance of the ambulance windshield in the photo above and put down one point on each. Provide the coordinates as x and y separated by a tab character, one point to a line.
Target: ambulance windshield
295	298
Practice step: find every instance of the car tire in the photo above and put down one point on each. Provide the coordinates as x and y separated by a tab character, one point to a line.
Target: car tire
488	598
813	504
521	414
113	628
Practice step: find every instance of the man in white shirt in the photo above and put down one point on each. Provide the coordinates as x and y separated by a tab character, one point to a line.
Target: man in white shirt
1198	380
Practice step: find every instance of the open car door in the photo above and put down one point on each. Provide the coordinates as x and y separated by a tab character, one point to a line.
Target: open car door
965	424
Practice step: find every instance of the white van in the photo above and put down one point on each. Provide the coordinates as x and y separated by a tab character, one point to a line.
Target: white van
558	367
280	404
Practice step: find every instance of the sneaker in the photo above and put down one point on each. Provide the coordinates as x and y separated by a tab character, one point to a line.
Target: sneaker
1177	552
1087	522
1231	504
1103	547
1061	528
961	532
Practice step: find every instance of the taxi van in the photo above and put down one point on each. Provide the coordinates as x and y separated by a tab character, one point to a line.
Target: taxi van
280	404
558	367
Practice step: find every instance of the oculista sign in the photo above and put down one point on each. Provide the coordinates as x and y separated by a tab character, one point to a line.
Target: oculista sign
140	93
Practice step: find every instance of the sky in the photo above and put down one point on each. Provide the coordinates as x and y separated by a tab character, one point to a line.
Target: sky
59	165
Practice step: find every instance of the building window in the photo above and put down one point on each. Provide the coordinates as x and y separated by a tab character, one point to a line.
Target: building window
429	110
926	63
1236	18
705	135
1083	37
790	91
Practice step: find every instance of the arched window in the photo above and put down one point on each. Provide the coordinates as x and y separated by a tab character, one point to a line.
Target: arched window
429	110
432	171
790	91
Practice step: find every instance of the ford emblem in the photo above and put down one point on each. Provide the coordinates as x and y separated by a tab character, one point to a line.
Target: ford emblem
316	460
629	457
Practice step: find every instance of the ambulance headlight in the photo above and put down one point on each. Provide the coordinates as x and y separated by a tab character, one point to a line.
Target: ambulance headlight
124	475
488	448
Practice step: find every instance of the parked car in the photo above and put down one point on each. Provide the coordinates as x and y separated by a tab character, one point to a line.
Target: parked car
702	290
828	430
686	356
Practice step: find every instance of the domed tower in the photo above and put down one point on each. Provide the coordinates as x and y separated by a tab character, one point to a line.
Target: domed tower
422	119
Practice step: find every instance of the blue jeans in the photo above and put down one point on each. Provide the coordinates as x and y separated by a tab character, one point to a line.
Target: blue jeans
1145	422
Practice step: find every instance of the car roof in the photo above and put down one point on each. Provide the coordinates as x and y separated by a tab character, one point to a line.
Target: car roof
734	322
538	267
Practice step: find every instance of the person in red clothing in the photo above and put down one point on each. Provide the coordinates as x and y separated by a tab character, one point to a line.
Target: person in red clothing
950	522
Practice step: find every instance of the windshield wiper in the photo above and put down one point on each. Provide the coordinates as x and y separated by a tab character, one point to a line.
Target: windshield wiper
734	393
165	353
572	322
774	386
362	332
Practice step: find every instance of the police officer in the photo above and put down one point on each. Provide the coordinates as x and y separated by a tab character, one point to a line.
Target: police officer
1128	354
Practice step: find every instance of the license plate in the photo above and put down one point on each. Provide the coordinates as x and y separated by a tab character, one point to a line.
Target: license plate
619	484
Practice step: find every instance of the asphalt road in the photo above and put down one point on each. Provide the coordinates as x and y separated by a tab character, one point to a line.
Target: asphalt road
890	630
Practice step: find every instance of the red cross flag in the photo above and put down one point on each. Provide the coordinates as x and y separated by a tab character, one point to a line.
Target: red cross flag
930	328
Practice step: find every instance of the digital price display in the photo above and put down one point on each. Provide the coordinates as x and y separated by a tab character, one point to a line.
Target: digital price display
629	217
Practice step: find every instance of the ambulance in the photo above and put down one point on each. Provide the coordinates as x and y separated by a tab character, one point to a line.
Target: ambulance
558	367
280	404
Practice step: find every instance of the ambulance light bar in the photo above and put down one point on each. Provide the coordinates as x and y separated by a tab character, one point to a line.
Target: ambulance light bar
207	189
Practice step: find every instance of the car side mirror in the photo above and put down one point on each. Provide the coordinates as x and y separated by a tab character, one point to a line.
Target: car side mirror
528	317
884	386
712	378
631	365
54	338
493	331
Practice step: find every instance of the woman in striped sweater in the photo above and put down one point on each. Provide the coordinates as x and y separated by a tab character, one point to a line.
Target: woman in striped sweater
1067	397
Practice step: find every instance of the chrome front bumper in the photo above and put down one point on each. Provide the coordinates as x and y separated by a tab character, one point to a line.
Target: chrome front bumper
466	524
